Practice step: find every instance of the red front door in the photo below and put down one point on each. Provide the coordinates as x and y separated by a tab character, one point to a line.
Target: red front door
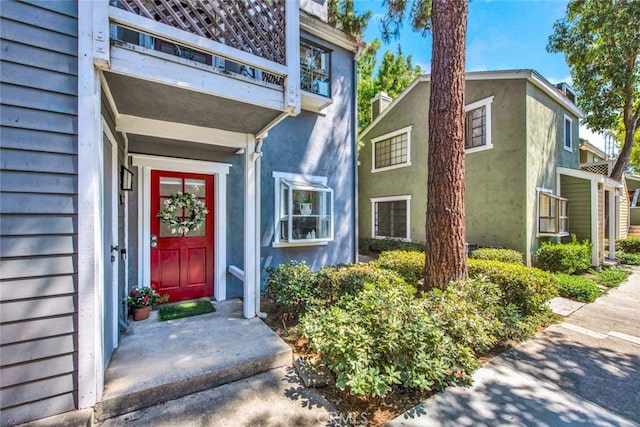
181	266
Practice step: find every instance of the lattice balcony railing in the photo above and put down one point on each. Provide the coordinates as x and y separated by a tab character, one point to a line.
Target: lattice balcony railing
601	168
253	26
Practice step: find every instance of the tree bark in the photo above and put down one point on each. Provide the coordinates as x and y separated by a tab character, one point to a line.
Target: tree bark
446	255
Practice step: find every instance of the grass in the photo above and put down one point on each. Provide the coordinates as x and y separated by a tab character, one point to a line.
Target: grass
186	309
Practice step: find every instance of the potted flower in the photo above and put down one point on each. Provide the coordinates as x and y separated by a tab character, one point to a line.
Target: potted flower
140	301
306	206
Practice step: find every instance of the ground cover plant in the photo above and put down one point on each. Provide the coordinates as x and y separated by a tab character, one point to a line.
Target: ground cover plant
384	346
568	258
496	254
628	258
578	288
610	277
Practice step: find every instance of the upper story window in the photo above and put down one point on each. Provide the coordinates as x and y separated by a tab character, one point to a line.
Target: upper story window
568	134
478	125
315	69
392	150
304	210
390	217
553	218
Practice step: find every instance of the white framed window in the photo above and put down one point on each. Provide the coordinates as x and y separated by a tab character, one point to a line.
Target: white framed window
478	125
391	217
567	141
392	150
315	69
553	219
303	210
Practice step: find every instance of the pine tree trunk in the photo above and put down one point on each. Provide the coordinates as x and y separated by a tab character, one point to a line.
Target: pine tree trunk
446	256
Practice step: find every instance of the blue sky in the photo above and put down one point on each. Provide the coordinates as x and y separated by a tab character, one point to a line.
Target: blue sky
501	35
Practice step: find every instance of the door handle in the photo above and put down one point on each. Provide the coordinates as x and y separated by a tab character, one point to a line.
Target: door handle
154	240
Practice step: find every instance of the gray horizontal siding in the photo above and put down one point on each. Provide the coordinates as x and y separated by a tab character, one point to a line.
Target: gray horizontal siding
49	183
13	225
34	350
24	246
38	409
39	206
37	287
37	140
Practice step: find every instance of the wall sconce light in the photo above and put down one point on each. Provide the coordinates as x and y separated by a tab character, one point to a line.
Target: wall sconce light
126	179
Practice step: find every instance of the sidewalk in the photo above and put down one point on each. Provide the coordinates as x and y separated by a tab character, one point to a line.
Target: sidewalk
584	371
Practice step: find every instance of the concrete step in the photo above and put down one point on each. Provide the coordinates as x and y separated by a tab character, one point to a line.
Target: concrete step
273	398
161	361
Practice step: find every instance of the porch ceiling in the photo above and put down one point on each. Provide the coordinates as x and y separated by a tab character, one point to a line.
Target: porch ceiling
152	100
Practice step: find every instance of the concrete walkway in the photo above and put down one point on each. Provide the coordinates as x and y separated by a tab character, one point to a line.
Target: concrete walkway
582	372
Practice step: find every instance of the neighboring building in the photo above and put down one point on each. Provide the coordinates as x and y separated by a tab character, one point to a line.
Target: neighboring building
109	107
522	139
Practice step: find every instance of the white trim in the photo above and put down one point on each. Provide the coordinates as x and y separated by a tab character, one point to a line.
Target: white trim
577	173
595	238
613	224
389	135
250	263
292	80
173	34
564	134
179	131
90	248
145	164
375	200
549	193
154	66
486	102
326	32
313	179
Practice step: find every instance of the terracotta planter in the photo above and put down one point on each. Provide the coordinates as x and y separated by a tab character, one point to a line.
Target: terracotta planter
141	313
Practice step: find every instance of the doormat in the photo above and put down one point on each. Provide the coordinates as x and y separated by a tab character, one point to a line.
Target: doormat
186	309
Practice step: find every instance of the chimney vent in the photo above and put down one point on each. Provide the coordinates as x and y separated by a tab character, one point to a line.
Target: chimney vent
379	103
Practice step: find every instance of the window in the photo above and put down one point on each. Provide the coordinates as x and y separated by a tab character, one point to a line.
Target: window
390	217
315	66
568	140
392	150
304	210
552	215
478	125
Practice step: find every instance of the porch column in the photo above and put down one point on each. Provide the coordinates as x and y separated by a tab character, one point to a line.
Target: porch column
613	223
250	215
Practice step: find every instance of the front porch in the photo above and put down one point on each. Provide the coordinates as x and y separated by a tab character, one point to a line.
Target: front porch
161	361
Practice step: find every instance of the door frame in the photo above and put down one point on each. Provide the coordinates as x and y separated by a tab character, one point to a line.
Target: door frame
145	164
115	266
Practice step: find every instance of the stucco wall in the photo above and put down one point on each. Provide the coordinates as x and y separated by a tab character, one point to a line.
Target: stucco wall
495	178
412	110
545	152
320	145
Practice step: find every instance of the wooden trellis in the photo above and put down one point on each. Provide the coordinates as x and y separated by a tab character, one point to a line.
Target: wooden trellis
253	26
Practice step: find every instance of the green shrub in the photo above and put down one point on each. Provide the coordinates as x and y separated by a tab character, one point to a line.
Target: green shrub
493	254
293	287
408	264
382	245
628	258
336	282
610	277
568	258
578	288
383	337
467	311
630	245
527	288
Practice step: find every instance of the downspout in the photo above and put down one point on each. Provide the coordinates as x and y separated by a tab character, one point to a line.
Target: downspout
257	158
354	135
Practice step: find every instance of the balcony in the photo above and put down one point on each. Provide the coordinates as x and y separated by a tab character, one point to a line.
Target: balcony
204	63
